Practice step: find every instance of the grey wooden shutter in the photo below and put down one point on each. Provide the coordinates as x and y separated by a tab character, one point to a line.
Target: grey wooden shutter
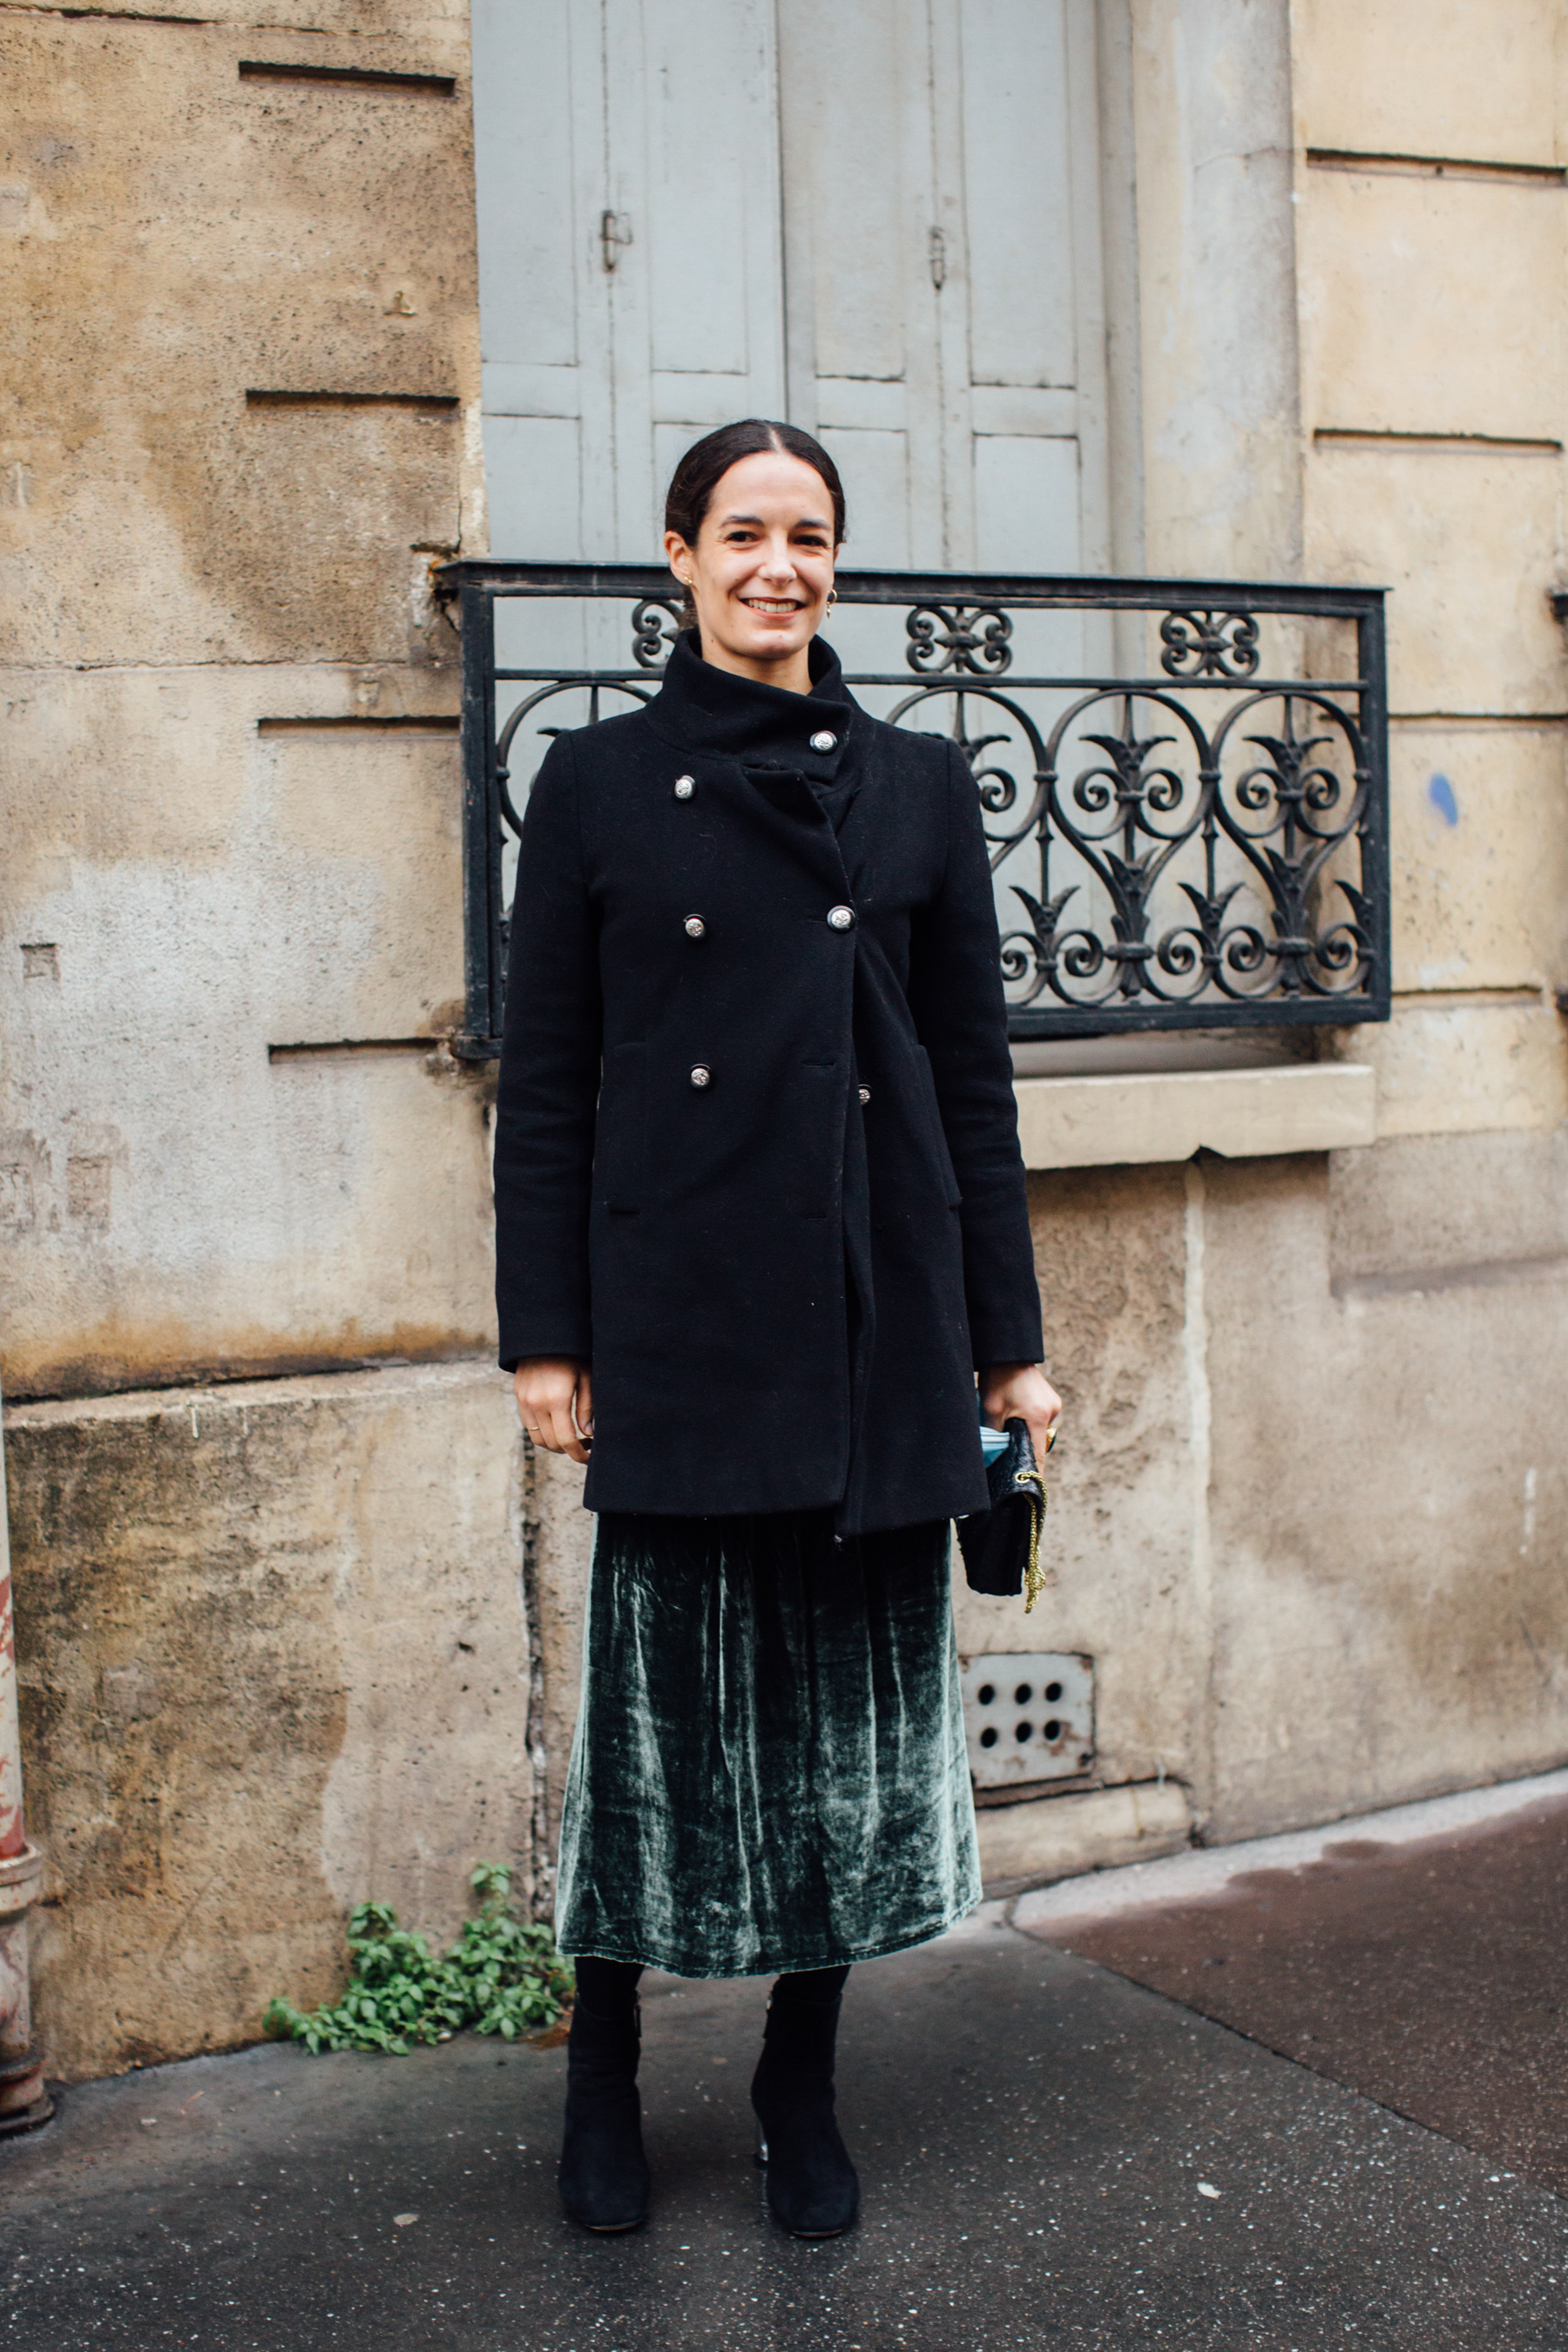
942	265
630	257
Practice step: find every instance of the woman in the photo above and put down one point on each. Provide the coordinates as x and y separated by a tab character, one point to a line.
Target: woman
761	1224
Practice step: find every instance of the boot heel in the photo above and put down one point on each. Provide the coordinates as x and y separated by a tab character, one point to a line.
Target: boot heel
760	2155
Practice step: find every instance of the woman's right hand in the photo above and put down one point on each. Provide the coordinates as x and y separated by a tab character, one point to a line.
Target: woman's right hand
555	1399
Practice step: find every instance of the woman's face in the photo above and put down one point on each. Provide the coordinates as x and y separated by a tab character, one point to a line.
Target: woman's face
762	564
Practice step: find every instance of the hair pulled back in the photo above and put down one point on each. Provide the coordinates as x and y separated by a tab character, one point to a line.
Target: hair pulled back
705	464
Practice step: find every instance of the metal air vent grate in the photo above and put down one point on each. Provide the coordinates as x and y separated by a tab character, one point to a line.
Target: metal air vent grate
1028	1714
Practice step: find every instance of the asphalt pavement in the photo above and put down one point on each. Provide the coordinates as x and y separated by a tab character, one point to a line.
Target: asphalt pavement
1051	2155
1428	1971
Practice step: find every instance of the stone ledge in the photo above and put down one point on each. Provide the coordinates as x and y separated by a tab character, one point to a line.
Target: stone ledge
1167	1115
1046	1838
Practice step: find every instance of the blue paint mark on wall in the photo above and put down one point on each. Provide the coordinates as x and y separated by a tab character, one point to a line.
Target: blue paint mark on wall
1440	793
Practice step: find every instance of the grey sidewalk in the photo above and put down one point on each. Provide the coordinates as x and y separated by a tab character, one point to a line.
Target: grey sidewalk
1034	2134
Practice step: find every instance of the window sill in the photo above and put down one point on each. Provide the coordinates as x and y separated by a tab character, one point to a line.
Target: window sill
1167	1115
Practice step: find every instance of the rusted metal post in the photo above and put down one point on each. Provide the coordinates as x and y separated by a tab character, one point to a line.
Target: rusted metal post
24	2101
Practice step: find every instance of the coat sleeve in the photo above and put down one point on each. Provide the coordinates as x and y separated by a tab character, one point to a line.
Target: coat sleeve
955	995
549	1086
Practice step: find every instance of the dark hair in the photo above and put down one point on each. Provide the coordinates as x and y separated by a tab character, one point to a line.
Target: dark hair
705	464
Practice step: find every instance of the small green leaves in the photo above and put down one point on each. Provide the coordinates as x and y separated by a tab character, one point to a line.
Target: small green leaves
503	1975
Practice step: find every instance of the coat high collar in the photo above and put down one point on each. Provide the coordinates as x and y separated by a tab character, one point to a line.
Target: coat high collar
704	708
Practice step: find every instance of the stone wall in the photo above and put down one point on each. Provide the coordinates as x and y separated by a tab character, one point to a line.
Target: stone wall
241	427
276	1661
243	358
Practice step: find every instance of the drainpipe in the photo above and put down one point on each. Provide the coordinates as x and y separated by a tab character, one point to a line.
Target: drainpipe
24	2101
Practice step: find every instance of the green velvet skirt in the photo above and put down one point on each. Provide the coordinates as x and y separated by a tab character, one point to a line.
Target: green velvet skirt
768	1769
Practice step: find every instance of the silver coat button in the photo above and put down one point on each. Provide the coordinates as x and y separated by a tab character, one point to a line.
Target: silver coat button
865	1094
702	1076
841	917
684	788
823	742
695	927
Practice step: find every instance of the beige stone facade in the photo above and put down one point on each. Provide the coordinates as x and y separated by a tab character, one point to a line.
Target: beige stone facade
298	1623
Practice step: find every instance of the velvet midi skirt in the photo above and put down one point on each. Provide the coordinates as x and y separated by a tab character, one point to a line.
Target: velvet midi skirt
769	1770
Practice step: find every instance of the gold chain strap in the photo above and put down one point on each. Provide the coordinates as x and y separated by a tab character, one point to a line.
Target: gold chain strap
1034	1574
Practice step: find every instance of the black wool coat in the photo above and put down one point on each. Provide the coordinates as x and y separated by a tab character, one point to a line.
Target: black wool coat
756	1146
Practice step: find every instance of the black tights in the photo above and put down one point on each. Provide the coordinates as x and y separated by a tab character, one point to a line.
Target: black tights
609	1988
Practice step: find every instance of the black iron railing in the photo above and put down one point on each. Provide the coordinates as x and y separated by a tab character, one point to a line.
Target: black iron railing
1185	783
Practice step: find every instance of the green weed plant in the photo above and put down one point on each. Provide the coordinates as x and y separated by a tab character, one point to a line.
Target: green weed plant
503	1975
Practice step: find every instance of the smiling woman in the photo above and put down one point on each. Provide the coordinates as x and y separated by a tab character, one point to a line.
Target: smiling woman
760	1228
757	566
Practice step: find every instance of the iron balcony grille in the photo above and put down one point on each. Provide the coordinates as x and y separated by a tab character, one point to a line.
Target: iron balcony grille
1185	784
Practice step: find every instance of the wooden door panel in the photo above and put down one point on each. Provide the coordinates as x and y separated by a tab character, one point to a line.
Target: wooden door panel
1025	504
1017	179
631	295
533	480
527	293
939	273
876	471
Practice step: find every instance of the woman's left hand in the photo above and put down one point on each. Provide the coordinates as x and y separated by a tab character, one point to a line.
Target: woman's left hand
1021	1392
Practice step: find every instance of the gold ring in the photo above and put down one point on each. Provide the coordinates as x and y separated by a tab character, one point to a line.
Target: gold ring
1050	1437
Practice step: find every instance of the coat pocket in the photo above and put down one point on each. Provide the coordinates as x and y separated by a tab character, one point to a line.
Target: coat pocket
620	1141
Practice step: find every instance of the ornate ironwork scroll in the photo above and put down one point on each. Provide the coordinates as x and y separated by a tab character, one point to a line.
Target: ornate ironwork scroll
1208	645
1200	848
958	636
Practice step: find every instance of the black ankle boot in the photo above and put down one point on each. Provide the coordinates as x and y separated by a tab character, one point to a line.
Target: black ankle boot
811	2183
604	2175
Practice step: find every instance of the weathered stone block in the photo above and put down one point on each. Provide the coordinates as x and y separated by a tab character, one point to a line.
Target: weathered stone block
1388	1514
1467	541
1446	1206
1428	76
1448	1067
1479	820
324	243
353	1222
274	1661
1376	247
1046	1838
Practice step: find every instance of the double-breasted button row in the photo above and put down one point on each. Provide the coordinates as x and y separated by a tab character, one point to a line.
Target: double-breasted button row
701	1076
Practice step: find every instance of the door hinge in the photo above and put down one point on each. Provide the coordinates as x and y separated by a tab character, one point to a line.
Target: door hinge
615	230
936	249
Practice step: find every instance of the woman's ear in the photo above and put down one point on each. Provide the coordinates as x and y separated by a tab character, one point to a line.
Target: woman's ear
678	555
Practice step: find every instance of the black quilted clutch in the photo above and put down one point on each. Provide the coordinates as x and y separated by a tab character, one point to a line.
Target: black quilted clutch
1001	1546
